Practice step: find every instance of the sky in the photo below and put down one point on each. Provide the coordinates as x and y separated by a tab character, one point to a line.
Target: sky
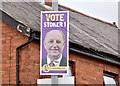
106	10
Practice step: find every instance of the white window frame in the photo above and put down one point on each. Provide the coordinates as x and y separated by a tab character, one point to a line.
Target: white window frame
110	79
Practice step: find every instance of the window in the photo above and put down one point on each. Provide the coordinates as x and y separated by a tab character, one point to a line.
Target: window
110	79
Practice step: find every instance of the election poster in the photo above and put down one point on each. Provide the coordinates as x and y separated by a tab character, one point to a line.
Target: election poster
54	50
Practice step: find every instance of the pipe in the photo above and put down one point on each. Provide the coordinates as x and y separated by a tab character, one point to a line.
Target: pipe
17	59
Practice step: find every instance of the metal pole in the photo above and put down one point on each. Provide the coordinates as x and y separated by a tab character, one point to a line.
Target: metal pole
119	27
54	78
55	5
119	14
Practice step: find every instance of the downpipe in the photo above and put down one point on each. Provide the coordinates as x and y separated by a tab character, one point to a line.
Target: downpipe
17	58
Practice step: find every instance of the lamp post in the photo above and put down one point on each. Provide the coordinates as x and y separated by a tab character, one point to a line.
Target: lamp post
54	78
119	14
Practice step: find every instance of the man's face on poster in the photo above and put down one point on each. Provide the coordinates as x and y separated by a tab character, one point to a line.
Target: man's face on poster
54	43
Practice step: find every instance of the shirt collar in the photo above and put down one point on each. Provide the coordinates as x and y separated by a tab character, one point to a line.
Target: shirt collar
56	62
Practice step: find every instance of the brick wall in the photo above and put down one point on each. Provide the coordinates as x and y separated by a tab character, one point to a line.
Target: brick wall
90	71
0	53
29	57
87	69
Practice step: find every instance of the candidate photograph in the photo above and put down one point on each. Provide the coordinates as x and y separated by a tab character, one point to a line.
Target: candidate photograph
54	43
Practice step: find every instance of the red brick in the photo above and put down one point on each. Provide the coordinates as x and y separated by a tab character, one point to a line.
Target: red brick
87	69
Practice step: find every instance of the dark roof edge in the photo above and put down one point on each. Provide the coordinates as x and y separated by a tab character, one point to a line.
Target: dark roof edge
73	47
15	24
90	52
9	20
95	54
88	16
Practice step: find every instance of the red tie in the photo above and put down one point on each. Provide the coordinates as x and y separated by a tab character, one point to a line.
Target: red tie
51	63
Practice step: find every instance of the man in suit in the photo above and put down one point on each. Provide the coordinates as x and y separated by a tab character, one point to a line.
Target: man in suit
54	43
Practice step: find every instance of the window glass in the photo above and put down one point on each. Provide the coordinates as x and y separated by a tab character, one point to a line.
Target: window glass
109	81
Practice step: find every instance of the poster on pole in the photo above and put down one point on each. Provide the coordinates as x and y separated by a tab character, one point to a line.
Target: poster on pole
54	45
